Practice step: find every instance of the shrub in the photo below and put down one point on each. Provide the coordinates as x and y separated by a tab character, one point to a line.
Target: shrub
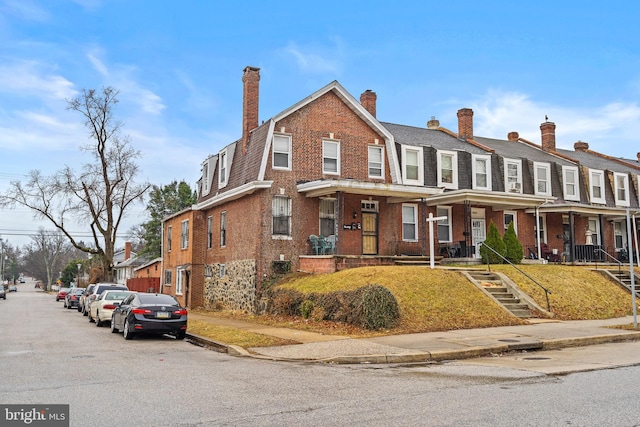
514	252
285	302
378	308
306	308
495	242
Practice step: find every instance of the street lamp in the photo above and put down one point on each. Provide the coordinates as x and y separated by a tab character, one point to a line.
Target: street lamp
1	261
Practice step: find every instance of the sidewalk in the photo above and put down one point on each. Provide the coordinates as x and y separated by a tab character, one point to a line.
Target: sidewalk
424	347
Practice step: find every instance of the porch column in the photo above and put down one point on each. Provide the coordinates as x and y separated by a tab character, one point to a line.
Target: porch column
572	238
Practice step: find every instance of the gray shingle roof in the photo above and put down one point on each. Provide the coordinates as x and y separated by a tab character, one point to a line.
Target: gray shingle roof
437	139
517	149
594	161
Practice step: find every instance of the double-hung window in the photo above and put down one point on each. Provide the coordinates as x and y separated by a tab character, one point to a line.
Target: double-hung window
281	152
596	186
412	164
184	234
444	225
621	183
513	175
327	217
481	177
510	217
167	277
570	183
376	161
281	211
222	170
448	169
223	229
209	232
179	280
331	157
169	231
410	222
542	178
205	177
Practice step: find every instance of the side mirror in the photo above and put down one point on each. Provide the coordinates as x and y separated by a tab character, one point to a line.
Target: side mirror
117	304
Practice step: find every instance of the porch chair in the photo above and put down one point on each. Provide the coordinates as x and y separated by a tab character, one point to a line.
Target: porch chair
330	244
548	253
316	246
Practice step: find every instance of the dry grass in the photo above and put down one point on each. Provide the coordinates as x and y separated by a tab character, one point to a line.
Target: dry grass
442	299
229	335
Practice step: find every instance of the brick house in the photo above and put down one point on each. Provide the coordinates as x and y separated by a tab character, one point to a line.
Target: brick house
327	167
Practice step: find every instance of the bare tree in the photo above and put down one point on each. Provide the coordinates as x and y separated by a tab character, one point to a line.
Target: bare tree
98	195
45	255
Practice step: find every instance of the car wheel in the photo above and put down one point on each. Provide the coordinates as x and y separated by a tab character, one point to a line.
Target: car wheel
79	309
91	319
64	304
127	331
114	330
84	311
98	321
69	307
180	335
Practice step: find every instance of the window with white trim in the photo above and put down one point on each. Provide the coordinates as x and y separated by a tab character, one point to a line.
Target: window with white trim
205	177
167	277
223	229
620	234
331	157
281	212
184	234
447	169
542	178
412	165
209	232
410	222
376	161
513	175
510	217
621	184
169	231
444	226
222	169
327	217
570	183
481	178
593	230
596	186
179	286
281	148
542	221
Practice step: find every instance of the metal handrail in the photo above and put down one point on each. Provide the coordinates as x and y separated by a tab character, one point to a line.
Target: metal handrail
610	256
546	291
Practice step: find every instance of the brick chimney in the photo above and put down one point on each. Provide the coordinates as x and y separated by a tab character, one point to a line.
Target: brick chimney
465	123
581	146
127	250
513	136
548	131
638	156
368	101
250	95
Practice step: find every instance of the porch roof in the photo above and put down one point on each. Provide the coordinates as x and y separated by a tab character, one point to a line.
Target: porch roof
616	212
497	200
397	192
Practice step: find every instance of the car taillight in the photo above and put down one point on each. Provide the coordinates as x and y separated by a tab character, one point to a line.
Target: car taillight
109	307
182	312
140	311
73	297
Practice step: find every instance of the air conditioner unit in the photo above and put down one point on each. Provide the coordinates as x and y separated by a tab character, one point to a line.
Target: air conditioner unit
514	187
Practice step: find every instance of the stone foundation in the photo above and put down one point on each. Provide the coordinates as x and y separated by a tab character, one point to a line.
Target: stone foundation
236	290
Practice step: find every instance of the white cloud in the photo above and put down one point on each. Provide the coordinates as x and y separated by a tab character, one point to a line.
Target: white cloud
31	79
610	129
317	60
25	9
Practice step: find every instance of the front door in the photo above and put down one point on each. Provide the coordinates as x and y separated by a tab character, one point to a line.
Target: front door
478	234
369	233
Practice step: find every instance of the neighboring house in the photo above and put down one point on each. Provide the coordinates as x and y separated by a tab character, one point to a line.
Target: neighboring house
146	277
327	167
127	262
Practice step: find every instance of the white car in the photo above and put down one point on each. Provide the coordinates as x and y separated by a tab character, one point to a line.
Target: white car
100	310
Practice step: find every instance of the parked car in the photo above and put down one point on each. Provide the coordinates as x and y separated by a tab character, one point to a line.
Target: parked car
73	297
62	292
149	313
97	290
21	280
13	288
83	297
102	308
3	293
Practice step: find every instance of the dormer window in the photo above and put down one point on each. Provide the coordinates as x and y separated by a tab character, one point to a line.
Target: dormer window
222	171
481	177
412	165
621	182
448	169
596	186
570	183
542	177
205	177
513	175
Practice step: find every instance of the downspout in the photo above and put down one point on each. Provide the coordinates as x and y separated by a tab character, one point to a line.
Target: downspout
635	237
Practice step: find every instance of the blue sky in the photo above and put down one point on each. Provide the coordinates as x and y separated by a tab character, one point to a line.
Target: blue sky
178	66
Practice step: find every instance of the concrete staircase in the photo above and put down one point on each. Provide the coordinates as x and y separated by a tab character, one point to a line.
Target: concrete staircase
623	278
496	288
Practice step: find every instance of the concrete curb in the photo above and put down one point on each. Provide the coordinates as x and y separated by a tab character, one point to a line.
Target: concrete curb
424	357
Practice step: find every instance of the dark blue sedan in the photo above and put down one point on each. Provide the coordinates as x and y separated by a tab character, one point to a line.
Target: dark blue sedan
149	313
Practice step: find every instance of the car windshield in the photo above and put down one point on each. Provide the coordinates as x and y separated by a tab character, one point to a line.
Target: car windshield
117	295
64	289
78	291
157	299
